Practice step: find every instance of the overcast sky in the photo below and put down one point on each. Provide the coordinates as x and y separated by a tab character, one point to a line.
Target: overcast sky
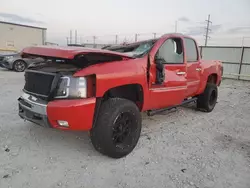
106	18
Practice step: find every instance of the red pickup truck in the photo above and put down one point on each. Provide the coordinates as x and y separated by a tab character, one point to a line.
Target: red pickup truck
104	91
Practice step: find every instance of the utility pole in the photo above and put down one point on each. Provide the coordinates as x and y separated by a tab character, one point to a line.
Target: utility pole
136	36
242	43
94	38
176	26
116	39
70	37
75	36
154	34
243	39
125	41
67	38
207	29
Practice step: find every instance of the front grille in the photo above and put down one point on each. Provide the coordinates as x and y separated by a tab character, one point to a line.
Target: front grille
38	83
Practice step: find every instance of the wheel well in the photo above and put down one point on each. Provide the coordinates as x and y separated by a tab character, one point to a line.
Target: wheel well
212	78
133	92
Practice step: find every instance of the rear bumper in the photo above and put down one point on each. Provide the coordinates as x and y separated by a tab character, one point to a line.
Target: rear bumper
79	113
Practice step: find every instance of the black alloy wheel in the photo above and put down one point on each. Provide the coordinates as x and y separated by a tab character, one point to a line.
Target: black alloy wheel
124	126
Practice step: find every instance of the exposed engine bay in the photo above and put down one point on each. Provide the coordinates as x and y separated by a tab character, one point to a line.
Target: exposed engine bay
53	77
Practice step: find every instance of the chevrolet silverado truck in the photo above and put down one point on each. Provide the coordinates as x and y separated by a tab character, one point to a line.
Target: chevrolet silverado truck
104	92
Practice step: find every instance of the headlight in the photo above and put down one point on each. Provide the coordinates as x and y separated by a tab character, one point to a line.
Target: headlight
72	87
8	57
82	87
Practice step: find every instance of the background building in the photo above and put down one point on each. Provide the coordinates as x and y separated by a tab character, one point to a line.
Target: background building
14	37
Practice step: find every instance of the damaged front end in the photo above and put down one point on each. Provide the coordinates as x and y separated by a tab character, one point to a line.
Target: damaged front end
47	81
53	96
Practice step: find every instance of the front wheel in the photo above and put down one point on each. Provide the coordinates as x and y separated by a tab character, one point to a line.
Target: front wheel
117	128
19	66
208	99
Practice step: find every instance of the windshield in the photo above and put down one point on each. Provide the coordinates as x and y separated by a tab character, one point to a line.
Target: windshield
143	48
135	50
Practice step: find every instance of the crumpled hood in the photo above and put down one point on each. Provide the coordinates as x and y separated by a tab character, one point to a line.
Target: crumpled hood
67	52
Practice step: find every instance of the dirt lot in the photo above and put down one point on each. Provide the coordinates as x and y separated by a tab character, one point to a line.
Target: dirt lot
181	148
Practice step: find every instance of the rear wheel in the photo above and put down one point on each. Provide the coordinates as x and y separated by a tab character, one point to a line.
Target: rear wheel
207	100
117	128
19	66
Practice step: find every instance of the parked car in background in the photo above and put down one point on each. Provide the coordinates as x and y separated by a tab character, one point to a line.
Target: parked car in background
15	62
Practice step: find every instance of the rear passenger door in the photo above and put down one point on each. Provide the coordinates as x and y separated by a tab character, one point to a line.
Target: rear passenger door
193	67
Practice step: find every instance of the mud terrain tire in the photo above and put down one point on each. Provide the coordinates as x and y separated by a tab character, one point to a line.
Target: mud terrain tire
117	128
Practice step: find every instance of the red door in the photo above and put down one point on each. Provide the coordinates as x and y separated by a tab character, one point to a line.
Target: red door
171	89
193	67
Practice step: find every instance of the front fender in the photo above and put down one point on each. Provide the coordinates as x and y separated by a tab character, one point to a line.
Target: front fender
114	74
11	62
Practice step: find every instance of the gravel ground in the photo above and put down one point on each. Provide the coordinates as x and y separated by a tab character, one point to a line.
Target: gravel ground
180	148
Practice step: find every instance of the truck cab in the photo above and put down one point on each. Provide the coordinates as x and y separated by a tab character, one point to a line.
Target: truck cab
104	91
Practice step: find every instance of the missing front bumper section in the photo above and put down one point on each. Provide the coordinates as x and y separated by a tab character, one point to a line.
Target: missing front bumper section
33	111
31	116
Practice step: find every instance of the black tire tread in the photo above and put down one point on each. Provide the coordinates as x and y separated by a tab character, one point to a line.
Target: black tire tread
203	99
107	113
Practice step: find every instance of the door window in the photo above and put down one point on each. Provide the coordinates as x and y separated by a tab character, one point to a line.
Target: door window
191	50
171	51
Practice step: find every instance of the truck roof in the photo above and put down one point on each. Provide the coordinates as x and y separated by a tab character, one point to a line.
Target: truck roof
66	52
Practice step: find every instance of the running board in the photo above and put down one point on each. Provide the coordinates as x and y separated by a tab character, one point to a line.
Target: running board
157	111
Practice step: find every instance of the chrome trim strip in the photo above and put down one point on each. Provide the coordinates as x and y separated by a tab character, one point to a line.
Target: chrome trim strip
181	73
38	108
34	93
26	96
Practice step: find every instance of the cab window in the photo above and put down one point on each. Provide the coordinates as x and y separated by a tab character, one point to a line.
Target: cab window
171	51
191	50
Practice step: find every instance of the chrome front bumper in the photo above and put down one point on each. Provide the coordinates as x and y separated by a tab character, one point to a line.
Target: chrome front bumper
31	109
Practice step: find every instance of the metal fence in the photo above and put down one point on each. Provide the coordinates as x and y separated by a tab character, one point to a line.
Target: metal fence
236	60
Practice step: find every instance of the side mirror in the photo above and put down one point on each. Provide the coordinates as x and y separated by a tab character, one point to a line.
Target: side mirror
159	64
160	71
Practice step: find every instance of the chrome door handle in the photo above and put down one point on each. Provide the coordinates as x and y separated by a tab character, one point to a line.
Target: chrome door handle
198	69
181	73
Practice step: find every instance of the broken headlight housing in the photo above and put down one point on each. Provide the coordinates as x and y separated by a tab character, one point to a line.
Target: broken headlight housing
71	87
